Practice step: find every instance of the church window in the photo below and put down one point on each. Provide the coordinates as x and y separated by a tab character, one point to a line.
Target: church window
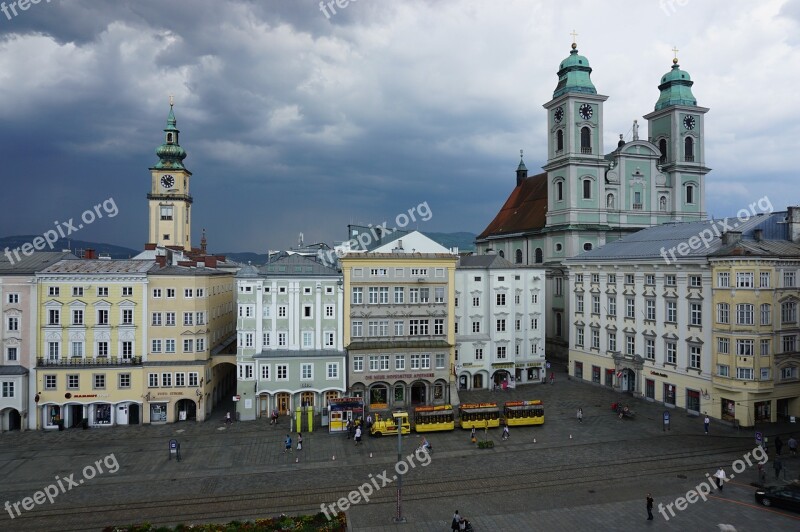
688	149
586	140
518	258
587	189
169	137
689	194
662	145
560	191
539	256
637	200
559	140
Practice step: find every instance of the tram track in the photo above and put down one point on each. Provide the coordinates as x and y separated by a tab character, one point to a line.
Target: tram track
251	505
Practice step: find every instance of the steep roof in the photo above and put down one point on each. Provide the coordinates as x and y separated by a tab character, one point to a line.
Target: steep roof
35	262
484	262
524	210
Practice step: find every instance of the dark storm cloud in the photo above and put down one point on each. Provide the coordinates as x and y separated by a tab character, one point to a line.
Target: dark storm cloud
295	122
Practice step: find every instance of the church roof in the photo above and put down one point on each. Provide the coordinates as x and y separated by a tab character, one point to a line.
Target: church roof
524	210
676	88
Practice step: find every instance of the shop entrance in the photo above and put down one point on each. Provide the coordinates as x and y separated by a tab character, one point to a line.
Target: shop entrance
186	410
282	403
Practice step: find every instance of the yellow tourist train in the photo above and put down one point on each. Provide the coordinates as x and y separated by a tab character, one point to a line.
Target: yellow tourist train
434	418
479	415
388	425
518	413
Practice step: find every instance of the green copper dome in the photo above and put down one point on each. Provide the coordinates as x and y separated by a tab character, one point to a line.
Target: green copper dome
170	154
676	88
573	75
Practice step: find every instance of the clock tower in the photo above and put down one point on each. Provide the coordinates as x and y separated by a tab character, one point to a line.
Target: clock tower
169	199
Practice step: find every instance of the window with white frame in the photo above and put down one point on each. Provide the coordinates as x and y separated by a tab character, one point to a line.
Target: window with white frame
671	353
745	374
789	279
357	327
399	295
193	379
650	309
694	356
744	314
478	353
12	298
399	362
695	281
670	280
630	345
723	370
745	348
650	348
332	370
169	319
766	314
180	379
630	308
723	345
763	278
579	304
329	311
384	362
306	372
612	305
73	381
612	341
329	339
723	313
595	339
308	339
358	363
373	295
695	314
723	280
281	339
169	345
501	325
765	351
439	358
264	370
501	352
579	336
383	295
11	354
438	294
282	311
672	311
595	304
99	381
188	345
744	280
245	371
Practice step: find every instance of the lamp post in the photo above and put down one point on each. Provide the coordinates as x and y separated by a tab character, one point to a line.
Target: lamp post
399	419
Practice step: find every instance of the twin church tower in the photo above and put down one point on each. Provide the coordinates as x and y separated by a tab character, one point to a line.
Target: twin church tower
586	197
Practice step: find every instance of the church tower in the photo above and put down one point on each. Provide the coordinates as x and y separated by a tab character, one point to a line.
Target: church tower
169	199
676	127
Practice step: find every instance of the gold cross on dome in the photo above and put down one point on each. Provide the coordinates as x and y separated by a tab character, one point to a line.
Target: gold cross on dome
573	36
675	51
171	101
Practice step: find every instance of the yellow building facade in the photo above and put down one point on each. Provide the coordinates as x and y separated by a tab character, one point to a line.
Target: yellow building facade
91	343
755	344
191	319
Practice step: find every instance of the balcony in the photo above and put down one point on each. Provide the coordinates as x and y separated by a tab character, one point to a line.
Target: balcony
586	150
88	362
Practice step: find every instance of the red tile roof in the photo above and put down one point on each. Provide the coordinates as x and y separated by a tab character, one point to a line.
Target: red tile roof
524	210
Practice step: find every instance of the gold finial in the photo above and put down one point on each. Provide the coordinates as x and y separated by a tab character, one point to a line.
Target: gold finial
171	101
574	44
520	154
675	51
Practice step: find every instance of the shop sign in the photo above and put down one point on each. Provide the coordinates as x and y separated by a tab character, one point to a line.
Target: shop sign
397	376
503	365
657	374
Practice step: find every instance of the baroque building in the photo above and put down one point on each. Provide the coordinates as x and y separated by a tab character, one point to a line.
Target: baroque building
587	197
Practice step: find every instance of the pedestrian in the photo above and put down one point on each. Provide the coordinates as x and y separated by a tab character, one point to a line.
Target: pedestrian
777	465
720	478
778	445
358	434
287	444
456	519
580	415
472	438
349	428
299	442
274	420
552	378
792	446
369	421
649	507
706	423
462	524
228	419
505	432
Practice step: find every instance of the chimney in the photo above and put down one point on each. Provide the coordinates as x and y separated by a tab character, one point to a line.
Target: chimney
210	261
88	254
399	248
149	247
794	224
731	237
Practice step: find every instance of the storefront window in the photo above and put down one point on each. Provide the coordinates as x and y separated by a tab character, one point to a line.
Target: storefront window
728	409
578	370
378	395
158	413
53	415
763	411
102	414
399	393
609	377
650	388
693	400
438	391
669	394
596	374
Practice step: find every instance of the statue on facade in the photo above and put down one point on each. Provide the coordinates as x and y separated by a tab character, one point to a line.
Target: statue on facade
635	130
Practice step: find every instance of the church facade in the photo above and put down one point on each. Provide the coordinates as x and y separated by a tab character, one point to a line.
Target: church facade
586	197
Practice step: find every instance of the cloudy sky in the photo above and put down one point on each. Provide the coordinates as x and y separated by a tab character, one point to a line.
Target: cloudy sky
295	121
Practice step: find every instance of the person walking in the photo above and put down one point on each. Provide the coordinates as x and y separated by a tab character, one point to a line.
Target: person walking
777	465
228	419
456	520
792	446
580	415
505	432
299	442
350	428
649	507
706	423
778	445
472	437
552	378
287	444
720	478
358	434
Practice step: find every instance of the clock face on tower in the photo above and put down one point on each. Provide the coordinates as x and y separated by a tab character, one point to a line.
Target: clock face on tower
688	122
586	111
167	181
559	114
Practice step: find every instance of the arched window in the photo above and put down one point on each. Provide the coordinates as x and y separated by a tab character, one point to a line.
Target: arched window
559	329
559	140
689	194
502	253
688	149
169	137
662	145
587	189
539	257
559	191
518	258
610	201
586	140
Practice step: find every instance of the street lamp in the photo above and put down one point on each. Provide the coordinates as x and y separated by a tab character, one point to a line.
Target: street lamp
399	419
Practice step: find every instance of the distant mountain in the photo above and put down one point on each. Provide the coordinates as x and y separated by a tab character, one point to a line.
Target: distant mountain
76	246
463	241
243	257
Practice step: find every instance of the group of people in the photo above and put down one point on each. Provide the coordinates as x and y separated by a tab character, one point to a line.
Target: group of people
459	523
288	443
354	430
